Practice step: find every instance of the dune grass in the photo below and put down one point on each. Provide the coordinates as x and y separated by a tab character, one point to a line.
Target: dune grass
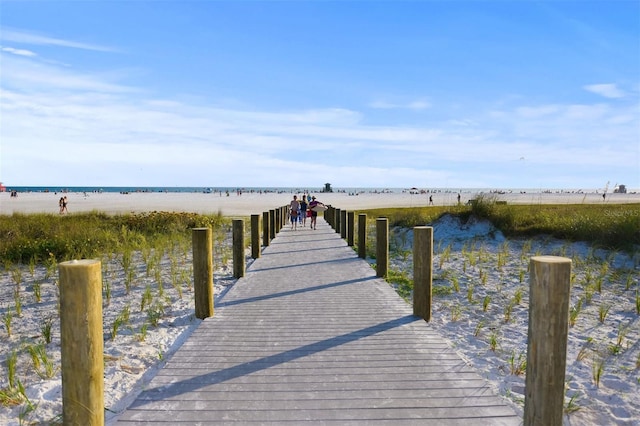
42	238
611	226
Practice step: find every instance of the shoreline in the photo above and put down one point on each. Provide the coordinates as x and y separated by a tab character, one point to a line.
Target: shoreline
255	203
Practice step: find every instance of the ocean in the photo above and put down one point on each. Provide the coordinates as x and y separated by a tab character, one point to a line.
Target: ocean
288	190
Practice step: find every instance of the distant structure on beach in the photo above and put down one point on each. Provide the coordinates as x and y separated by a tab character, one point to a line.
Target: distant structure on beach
2	187
620	189
327	188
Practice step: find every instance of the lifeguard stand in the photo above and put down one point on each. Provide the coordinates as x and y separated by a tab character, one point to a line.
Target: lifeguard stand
327	188
620	189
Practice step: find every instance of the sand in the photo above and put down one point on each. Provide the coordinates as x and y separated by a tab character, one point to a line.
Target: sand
255	203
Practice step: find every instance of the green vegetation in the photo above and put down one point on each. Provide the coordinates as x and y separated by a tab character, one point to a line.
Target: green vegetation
45	238
613	226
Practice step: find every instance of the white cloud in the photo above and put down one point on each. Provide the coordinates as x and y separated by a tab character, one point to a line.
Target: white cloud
19	52
537	111
413	105
32	76
606	90
24	37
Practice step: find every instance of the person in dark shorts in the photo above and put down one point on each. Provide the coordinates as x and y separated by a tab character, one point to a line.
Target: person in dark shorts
314	214
303	211
294	210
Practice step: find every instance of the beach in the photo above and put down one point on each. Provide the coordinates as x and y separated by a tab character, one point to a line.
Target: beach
255	203
475	256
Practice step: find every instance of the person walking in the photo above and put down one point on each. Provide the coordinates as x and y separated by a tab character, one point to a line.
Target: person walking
294	210
303	211
314	214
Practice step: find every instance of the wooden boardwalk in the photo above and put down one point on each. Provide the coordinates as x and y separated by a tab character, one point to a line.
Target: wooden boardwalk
311	336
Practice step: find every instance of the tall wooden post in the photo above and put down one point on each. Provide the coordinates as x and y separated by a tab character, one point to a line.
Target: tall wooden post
265	229
278	220
81	341
422	271
272	224
382	246
202	242
337	223
362	235
350	228
238	248
343	224
284	209
255	236
550	289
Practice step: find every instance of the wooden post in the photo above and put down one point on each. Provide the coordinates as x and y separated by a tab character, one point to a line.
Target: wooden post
382	246
328	215
203	271
550	278
81	341
255	236
238	248
422	271
265	229
350	228
284	209
362	235
278	220
272	224
337	223
343	224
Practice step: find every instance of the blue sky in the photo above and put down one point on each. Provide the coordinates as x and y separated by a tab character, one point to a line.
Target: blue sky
459	94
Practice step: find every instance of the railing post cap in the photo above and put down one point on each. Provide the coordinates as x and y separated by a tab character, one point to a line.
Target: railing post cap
79	262
550	259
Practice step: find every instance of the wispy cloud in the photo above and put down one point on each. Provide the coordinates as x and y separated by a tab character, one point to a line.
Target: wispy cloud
413	105
606	90
19	52
30	38
35	76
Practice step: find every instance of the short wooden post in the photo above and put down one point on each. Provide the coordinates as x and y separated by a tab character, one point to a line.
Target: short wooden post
265	229
81	341
272	224
337	223
343	224
350	228
362	235
382	246
238	248
202	243
422	271
550	278
255	236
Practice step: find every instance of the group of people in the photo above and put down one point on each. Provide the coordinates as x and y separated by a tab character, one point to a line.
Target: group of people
299	210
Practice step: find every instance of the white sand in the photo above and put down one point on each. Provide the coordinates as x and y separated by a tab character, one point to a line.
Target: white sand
255	203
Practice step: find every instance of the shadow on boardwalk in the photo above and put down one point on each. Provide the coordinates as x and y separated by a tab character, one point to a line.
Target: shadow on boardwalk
310	335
